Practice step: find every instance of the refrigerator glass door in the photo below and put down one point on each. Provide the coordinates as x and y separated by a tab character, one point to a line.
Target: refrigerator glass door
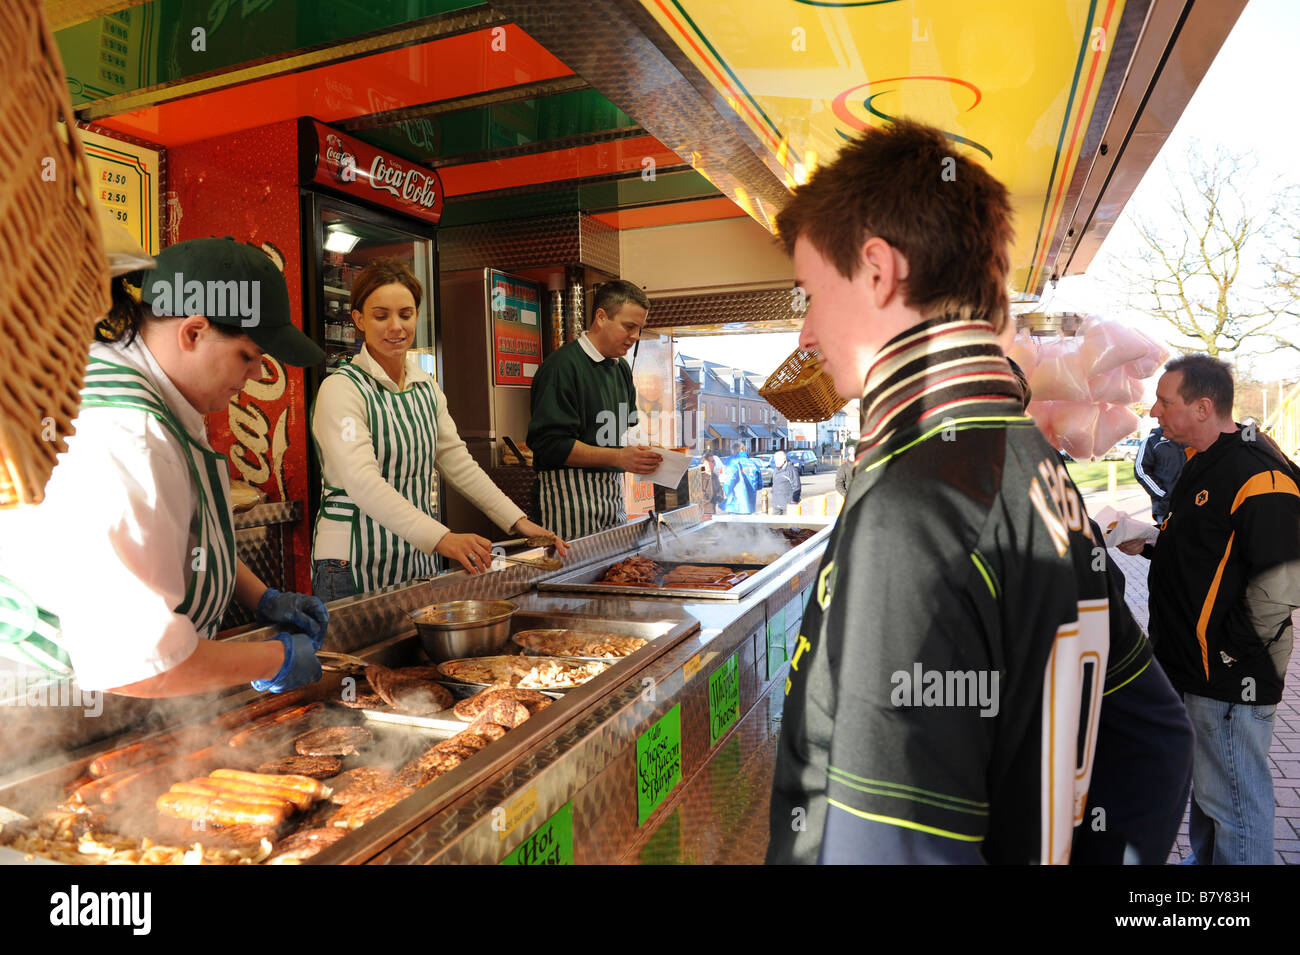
351	242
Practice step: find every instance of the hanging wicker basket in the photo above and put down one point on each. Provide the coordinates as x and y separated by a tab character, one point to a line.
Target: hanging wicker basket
51	256
800	390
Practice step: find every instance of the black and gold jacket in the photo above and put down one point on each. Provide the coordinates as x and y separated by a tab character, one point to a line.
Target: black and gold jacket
1225	571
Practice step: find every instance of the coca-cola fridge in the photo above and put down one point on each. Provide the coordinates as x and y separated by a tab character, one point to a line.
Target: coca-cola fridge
360	203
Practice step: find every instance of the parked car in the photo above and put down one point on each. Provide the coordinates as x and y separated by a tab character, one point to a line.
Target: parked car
764	467
806	460
1126	450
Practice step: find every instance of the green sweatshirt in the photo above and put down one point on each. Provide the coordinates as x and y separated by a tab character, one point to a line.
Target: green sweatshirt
577	399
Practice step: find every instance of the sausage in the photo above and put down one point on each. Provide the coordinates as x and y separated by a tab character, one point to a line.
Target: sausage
313	787
146	782
222	812
93	791
259	708
197	787
300	800
281	722
116	760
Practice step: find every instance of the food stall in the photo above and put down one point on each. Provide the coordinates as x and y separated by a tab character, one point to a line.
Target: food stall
669	174
661	756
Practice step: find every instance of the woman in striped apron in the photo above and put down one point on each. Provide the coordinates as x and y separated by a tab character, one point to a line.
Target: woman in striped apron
381	427
122	575
583	401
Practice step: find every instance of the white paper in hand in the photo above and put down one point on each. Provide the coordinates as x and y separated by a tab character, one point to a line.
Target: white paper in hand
670	470
1117	527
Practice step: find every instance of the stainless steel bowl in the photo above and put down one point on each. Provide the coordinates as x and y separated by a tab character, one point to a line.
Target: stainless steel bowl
463	628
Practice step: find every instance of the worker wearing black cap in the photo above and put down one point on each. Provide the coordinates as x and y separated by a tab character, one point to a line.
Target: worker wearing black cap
129	564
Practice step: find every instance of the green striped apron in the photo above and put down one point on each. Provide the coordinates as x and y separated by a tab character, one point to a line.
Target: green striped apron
30	634
576	502
404	434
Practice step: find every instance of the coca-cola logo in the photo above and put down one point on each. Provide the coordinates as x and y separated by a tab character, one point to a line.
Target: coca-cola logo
411	185
340	163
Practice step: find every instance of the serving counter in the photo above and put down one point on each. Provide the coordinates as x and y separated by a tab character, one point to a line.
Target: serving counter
664	757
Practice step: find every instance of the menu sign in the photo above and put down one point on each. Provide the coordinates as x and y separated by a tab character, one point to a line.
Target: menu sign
724	698
550	844
125	180
515	305
658	763
345	164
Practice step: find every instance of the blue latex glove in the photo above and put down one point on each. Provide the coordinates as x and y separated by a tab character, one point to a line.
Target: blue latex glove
301	612
300	665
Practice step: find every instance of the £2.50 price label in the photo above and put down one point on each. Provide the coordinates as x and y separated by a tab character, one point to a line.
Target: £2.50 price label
658	763
724	698
550	844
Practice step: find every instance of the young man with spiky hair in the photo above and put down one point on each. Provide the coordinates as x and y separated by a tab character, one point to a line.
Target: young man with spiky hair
945	694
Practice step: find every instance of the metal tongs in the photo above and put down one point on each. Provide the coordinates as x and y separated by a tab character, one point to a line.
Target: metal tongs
659	521
540	563
343	662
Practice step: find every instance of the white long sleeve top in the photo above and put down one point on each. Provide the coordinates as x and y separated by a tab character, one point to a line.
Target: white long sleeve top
348	461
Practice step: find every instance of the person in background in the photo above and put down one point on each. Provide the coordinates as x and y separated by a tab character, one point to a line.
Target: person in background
713	484
741	481
1158	463
582	402
1224	582
382	425
787	485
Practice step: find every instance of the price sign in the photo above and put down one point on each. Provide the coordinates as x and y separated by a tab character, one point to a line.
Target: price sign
724	698
550	844
658	763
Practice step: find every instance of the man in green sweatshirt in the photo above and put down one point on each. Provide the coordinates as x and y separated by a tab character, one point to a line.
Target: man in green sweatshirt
583	401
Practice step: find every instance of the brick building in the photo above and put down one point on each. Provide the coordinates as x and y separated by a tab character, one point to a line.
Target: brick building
720	406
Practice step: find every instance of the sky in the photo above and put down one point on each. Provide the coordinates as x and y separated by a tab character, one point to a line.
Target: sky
1240	104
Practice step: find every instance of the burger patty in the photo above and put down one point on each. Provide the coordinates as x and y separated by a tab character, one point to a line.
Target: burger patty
365	699
473	707
304	845
411	689
332	741
317	767
359	813
361	783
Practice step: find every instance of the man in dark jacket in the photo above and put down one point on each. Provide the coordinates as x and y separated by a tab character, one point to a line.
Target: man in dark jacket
1156	467
1224	582
787	486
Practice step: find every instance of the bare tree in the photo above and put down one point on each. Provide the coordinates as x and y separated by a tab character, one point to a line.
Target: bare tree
1216	270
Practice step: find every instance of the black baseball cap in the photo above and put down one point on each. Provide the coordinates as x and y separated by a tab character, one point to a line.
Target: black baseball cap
232	284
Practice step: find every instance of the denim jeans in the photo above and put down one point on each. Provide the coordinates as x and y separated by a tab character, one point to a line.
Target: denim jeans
1231	816
332	580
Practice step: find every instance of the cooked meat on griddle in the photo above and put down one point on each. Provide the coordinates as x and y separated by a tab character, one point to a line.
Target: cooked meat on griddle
333	741
304	845
410	690
361	783
365	699
490	731
797	536
689	574
633	570
360	813
317	767
472	708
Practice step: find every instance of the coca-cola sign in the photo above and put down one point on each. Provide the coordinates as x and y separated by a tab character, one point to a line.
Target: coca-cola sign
343	163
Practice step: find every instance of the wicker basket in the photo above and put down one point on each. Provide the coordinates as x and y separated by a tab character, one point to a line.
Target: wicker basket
55	282
800	390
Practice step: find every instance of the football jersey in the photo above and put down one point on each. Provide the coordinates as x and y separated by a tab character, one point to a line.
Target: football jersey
950	668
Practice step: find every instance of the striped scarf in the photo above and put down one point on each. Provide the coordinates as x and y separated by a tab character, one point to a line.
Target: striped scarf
941	368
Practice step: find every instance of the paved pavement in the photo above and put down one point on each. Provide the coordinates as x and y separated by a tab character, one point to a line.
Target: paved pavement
1284	756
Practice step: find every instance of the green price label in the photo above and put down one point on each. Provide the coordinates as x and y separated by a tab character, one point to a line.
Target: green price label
550	844
658	763
724	698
